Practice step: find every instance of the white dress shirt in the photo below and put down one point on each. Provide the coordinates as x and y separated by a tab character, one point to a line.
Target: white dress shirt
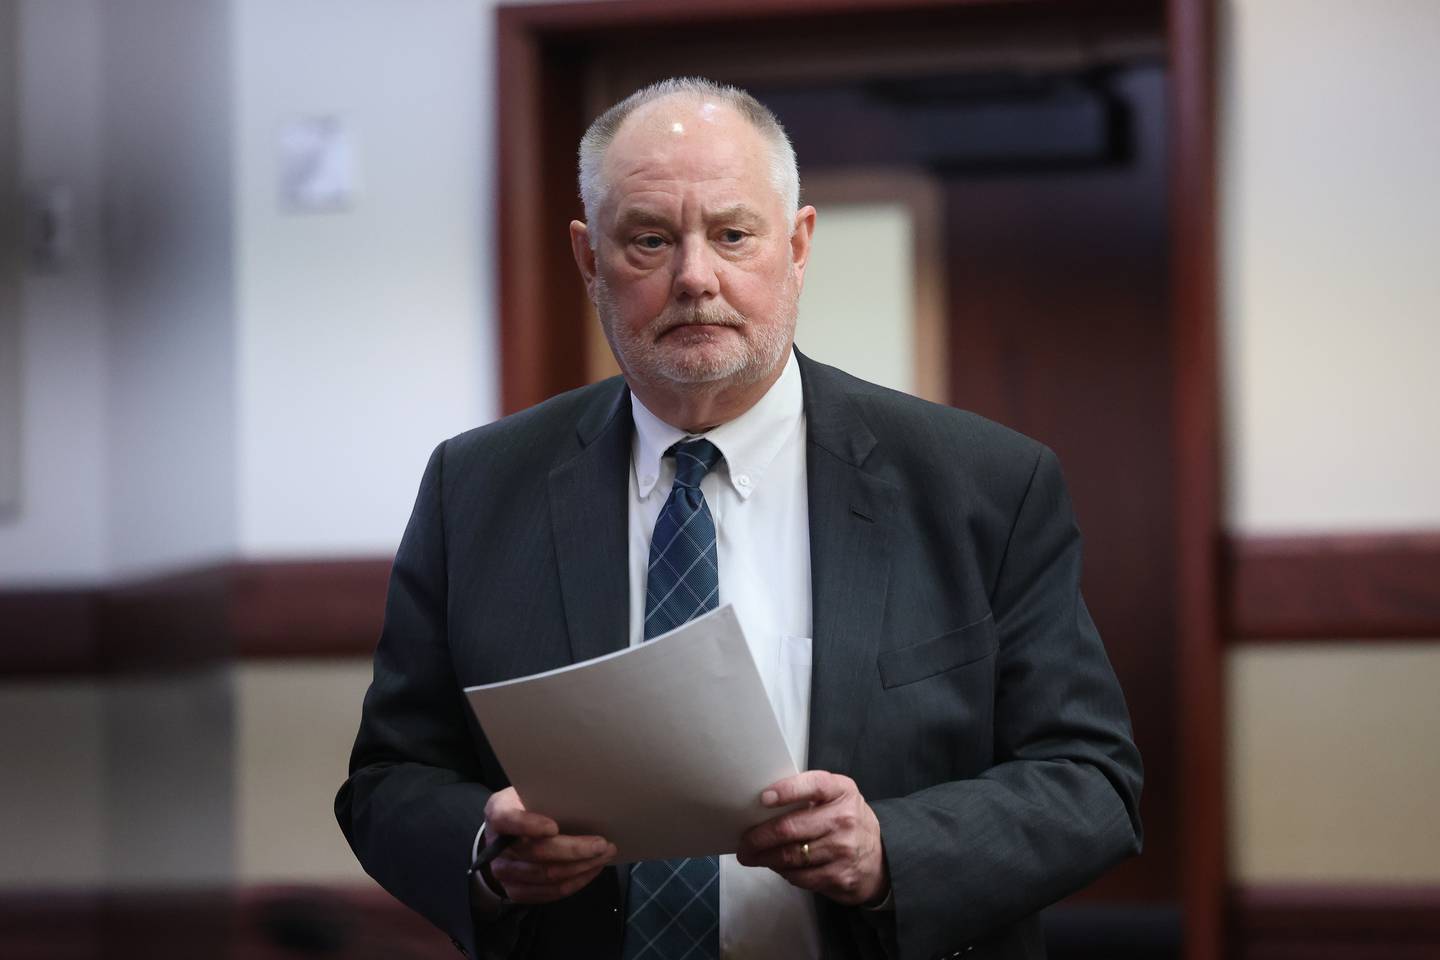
758	498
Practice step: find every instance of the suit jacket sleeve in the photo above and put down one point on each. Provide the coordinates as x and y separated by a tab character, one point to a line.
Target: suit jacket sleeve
1061	802
412	804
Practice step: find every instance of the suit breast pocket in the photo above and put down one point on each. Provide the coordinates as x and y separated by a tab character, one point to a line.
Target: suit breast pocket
937	655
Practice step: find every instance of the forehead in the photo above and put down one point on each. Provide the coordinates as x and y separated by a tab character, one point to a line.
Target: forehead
677	145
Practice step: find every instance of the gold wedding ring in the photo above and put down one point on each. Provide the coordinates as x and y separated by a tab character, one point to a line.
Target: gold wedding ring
805	853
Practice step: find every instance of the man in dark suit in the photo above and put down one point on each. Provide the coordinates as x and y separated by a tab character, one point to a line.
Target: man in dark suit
916	567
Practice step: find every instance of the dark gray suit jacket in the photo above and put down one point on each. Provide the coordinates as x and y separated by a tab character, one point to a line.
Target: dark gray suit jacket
957	677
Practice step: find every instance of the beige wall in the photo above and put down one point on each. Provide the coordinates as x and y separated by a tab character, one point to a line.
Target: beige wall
169	779
1334	761
859	283
52	793
1331	297
295	725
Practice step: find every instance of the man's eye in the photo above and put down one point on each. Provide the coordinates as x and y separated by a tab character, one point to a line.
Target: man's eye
732	236
650	241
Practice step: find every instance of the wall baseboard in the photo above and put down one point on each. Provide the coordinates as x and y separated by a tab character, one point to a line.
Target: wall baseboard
1318	922
1331	922
256	923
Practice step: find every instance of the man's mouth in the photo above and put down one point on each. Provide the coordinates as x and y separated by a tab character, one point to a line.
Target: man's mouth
702	323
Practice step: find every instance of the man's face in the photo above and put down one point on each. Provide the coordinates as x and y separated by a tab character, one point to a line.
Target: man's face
696	269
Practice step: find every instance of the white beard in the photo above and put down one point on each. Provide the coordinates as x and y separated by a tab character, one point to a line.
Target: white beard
735	360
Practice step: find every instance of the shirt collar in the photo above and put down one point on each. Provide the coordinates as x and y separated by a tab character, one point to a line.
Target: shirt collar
748	443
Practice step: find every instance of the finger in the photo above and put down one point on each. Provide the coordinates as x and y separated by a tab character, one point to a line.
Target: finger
799	826
561	849
815	786
527	873
519	822
789	856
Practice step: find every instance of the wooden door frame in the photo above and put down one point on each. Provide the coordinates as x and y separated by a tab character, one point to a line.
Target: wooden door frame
542	313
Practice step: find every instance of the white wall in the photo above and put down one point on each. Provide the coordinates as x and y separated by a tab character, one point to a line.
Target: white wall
264	383
1331	292
171	395
10	259
58	533
365	336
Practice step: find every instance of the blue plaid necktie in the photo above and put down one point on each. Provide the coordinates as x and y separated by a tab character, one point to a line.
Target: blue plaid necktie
675	904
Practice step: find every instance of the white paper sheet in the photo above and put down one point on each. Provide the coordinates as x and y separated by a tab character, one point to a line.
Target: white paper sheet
662	748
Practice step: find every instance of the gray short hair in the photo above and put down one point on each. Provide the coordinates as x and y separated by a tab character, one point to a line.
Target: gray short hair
784	172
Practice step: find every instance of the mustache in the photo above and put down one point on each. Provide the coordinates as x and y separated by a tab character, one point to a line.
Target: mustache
698	315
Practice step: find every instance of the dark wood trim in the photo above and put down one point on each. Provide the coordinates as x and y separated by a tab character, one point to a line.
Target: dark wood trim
1269	922
258	923
1333	587
1322	587
253	609
314	608
1330	922
560	19
1194	286
50	632
166	622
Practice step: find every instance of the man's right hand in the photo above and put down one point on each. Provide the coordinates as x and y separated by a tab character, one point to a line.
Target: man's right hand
542	865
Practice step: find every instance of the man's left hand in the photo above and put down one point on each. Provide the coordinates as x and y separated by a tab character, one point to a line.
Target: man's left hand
831	847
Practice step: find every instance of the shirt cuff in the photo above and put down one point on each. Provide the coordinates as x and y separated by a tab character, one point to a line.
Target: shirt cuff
482	896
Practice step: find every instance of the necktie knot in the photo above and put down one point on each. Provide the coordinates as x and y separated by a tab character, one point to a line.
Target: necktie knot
694	459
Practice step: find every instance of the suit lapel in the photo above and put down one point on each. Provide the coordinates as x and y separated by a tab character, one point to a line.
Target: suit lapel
850	529
590	524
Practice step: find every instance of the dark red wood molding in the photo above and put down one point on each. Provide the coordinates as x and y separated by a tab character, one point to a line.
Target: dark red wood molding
1321	587
49	632
1330	922
1319	922
258	923
1192	41
317	608
260	609
1333	587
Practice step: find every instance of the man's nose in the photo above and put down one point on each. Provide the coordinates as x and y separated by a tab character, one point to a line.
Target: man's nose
695	275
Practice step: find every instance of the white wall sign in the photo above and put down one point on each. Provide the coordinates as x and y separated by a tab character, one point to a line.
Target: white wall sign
317	166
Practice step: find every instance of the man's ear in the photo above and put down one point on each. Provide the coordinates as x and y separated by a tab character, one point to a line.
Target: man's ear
800	237
584	255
